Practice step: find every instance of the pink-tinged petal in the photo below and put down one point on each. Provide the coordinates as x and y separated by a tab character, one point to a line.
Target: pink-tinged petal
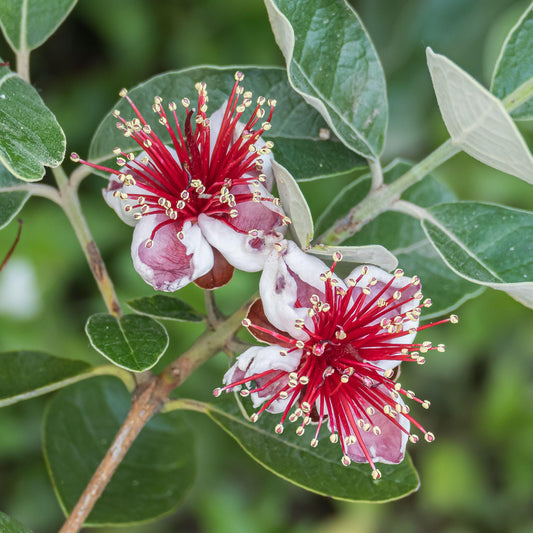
243	251
279	294
386	444
263	215
257	360
169	263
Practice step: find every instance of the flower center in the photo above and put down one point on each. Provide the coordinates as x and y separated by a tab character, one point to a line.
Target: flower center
207	169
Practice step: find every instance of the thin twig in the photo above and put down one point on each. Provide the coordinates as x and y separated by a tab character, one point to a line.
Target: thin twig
13	246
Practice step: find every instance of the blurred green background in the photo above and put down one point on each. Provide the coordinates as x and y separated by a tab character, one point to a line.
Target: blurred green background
478	476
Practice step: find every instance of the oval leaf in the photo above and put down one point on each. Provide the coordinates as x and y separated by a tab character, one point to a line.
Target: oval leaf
293	119
514	68
487	244
155	475
332	63
30	136
26	24
167	307
477	121
10	525
24	375
316	469
10	202
372	254
295	205
132	342
404	237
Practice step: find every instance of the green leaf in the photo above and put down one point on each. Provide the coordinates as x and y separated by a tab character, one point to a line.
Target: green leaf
477	121
295	205
24	375
166	307
514	68
26	24
316	159
372	254
132	342
488	244
10	525
30	136
332	63
293	118
10	202
81	423
316	469
404	237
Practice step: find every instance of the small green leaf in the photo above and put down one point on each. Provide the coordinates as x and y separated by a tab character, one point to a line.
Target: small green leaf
132	342
316	469
477	121
404	237
295	205
310	160
332	63
167	307
30	136
27	24
80	425
293	119
24	375
488	244
10	525
514	68
10	202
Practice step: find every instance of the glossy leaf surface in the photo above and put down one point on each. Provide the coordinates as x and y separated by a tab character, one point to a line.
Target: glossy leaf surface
132	342
82	421
27	24
30	136
514	68
332	63
24	375
488	244
166	307
316	469
293	119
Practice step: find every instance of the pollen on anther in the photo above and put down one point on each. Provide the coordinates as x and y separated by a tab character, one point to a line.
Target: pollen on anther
413	438
74	157
149	243
217	392
254	417
346	461
314	443
430	437
376	474
279	429
246	322
454	319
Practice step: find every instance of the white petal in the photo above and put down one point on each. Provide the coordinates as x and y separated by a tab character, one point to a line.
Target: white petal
240	249
170	264
259	359
279	292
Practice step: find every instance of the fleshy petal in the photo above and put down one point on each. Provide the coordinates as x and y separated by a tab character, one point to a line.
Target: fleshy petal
258	359
169	263
243	251
279	294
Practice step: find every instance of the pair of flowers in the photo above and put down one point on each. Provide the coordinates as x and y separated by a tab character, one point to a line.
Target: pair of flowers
202	207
